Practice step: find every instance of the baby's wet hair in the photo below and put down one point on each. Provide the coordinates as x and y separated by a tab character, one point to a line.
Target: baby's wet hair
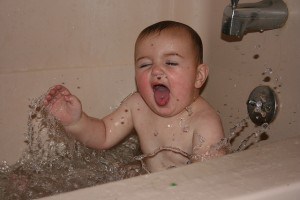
164	25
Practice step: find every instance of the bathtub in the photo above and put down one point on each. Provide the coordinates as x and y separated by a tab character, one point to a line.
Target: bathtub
87	47
267	172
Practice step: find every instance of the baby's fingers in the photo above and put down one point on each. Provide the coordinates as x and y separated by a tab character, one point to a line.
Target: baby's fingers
50	99
53	94
64	91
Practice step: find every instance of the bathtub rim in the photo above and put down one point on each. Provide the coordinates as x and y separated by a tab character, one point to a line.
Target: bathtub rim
249	179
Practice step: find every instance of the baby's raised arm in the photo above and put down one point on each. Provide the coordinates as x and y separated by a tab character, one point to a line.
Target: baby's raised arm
92	132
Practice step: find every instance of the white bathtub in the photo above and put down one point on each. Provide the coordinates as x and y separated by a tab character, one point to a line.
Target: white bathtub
267	172
88	47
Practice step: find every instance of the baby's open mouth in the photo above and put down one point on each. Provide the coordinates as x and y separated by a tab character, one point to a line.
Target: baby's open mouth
161	94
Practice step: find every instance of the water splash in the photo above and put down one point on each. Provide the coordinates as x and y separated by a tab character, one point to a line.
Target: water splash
256	134
224	146
52	154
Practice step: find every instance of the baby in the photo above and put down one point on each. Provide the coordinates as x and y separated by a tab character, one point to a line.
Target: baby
175	125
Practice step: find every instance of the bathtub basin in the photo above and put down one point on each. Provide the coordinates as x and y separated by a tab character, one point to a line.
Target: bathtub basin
269	171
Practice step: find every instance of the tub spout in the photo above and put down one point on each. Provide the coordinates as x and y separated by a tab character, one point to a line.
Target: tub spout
239	19
234	3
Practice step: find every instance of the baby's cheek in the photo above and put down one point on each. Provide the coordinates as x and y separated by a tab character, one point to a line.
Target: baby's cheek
184	93
143	85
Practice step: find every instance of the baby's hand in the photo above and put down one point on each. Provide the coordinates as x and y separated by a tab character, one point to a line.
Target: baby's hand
63	105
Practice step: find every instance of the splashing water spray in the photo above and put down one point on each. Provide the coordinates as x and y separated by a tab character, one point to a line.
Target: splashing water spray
52	154
262	107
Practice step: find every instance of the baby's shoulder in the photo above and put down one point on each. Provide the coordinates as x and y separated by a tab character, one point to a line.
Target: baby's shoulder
132	100
205	115
204	110
138	108
207	121
132	97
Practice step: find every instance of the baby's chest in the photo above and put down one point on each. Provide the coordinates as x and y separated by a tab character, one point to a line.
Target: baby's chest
173	137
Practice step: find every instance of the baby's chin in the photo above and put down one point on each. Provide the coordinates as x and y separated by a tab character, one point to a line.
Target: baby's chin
167	111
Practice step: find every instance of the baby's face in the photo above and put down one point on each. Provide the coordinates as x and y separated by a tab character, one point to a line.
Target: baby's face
166	71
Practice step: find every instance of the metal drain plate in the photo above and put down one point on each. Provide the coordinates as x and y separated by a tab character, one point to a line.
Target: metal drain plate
262	105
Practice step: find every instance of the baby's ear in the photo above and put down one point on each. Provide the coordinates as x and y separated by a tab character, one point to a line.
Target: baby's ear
202	74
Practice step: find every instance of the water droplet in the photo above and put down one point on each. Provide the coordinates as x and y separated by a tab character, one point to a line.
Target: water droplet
267	79
257	46
186	128
268	71
256	56
189	110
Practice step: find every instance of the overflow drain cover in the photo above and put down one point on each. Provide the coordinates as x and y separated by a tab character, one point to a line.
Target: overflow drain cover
262	105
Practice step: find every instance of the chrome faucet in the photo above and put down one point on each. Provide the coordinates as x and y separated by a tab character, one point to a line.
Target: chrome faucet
238	19
234	3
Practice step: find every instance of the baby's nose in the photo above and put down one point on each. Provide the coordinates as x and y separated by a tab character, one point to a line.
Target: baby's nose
159	76
158	72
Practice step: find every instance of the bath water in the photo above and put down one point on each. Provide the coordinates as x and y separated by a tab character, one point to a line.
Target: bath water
54	162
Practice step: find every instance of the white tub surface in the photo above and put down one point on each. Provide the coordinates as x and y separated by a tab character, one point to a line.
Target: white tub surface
271	171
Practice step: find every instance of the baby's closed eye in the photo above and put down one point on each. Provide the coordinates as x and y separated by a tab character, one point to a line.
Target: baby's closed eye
145	65
171	63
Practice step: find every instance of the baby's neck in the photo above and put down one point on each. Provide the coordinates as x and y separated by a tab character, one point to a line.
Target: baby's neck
189	108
